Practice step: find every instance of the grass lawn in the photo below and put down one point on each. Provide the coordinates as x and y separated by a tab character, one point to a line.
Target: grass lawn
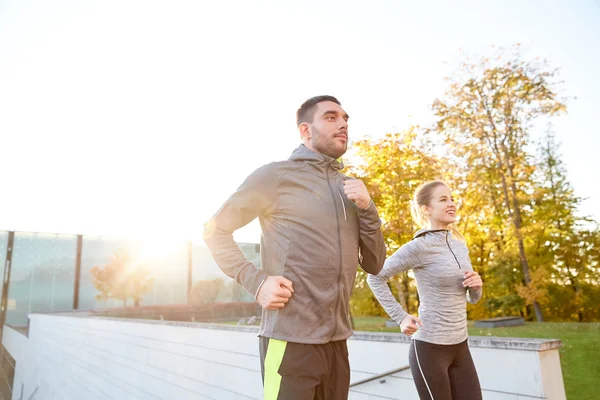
579	356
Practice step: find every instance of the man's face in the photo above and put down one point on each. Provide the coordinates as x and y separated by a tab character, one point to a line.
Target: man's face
328	133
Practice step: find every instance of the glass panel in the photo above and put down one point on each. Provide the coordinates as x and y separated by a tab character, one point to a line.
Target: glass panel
42	275
165	261
168	263
204	268
98	251
203	265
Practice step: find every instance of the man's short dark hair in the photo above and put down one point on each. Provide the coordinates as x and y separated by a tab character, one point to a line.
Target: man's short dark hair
306	112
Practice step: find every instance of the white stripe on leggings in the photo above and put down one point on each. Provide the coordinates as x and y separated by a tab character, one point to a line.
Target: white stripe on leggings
421	369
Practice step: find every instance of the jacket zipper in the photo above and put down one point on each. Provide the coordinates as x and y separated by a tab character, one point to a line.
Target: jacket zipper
343	206
448	243
337	218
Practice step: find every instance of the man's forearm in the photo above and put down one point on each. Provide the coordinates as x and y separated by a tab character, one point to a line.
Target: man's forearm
372	245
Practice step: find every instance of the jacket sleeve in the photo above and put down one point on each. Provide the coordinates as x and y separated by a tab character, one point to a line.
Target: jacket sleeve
371	244
255	197
405	258
473	295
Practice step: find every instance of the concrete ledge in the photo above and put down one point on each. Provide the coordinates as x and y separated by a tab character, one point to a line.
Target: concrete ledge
15	342
474	341
185	324
515	343
23	330
501	321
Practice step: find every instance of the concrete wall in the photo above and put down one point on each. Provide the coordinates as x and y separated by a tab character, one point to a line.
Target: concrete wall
508	368
76	357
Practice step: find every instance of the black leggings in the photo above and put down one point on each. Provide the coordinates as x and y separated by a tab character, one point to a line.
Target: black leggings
443	372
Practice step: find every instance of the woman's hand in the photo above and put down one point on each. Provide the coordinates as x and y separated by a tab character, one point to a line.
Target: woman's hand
410	324
472	280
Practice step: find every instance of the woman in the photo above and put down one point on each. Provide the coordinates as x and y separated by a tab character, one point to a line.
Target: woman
439	356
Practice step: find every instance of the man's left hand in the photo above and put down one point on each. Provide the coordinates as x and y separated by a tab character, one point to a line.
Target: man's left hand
356	191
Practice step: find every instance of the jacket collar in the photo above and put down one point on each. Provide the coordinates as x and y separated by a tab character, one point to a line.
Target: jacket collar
303	153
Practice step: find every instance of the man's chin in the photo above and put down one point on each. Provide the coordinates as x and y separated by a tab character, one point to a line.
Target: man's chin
334	152
337	153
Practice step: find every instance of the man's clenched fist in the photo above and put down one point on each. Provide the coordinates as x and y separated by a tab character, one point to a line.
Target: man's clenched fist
275	292
356	191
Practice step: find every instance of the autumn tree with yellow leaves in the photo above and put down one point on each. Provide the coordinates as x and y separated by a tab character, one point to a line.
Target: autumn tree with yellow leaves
517	209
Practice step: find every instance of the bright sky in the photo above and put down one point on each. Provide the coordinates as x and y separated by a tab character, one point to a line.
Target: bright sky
141	117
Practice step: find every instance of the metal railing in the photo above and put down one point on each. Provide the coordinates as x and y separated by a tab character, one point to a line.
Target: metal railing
379	376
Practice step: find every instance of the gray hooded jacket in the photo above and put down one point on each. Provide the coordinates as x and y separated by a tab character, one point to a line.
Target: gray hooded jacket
311	235
439	263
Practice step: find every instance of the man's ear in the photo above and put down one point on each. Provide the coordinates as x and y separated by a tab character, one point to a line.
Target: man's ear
304	129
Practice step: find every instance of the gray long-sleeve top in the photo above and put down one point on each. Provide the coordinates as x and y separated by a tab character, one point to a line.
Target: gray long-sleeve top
439	263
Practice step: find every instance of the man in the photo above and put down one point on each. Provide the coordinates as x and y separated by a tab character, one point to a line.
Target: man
317	224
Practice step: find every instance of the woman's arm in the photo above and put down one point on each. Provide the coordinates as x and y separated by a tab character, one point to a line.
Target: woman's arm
405	258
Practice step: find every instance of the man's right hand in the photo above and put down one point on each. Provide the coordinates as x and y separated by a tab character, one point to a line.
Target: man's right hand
410	324
275	292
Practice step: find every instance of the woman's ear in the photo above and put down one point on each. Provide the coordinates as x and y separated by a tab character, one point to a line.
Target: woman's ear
425	211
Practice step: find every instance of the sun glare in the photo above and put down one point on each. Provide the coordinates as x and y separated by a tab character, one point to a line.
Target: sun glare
153	248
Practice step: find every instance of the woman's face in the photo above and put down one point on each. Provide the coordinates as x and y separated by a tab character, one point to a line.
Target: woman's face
441	208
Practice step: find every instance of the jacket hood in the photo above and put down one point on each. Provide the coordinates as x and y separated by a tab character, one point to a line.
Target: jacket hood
303	153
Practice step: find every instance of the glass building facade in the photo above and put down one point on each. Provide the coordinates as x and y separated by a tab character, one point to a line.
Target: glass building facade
52	272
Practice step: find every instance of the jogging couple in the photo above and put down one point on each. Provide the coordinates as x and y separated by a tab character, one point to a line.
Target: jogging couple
317	226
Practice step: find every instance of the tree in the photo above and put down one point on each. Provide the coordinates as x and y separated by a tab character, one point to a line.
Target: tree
485	117
392	168
122	278
206	291
563	241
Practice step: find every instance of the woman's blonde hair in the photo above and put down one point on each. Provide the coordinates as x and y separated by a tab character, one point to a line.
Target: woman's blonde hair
423	196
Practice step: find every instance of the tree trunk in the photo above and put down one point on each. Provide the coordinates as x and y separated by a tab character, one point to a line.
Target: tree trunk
515	214
575	287
503	160
523	257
